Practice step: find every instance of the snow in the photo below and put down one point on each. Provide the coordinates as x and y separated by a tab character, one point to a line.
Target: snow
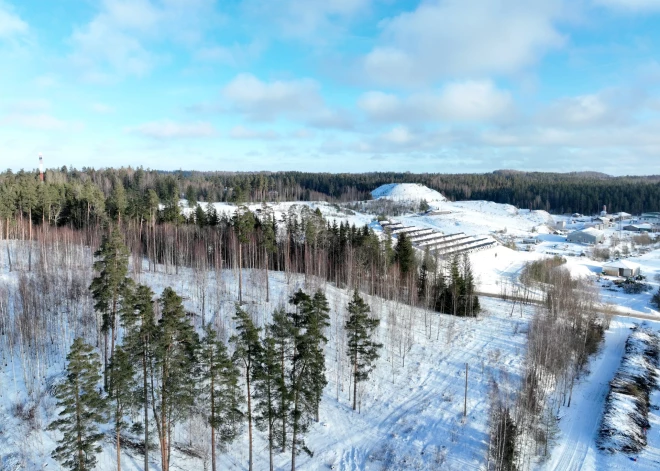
411	410
408	192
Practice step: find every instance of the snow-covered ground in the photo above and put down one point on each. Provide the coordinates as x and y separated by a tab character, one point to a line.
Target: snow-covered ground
411	410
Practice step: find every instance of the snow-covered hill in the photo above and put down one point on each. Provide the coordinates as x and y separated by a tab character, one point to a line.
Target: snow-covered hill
408	192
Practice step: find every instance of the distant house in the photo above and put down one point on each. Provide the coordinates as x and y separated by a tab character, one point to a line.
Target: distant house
621	216
621	268
586	236
594	225
645	227
560	224
652	217
605	220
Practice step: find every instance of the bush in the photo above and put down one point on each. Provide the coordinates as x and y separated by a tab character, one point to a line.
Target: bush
634	287
655	300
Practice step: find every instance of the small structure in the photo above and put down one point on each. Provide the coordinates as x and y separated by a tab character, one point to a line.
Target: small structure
651	217
621	268
594	225
644	227
604	211
586	236
560	225
621	216
605	220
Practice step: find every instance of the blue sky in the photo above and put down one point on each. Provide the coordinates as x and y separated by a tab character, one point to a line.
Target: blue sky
332	85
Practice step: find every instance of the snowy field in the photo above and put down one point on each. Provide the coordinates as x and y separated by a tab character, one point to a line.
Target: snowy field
411	411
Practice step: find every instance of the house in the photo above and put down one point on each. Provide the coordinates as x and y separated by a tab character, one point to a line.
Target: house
594	225
586	236
645	227
652	217
560	225
621	268
621	216
605	220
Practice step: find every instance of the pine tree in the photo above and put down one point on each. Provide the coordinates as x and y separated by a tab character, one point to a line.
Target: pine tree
269	391
405	254
269	241
110	286
175	350
121	386
281	331
139	320
243	226
117	201
247	352
317	321
362	349
84	408
220	391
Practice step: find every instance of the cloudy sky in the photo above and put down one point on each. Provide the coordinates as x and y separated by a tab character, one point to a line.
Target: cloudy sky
332	85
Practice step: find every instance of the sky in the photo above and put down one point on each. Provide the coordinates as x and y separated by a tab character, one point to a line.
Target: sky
446	86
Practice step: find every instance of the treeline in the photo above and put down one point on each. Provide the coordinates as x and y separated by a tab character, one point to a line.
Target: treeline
74	197
561	337
158	365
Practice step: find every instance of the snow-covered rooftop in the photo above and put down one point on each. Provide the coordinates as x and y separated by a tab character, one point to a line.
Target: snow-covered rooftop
622	264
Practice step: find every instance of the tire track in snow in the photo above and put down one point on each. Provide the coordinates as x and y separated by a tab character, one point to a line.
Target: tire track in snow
577	447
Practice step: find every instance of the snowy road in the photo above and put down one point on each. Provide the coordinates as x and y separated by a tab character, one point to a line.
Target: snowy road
576	448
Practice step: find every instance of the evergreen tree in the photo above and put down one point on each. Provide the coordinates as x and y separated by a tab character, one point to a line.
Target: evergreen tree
247	352
362	349
175	350
269	393
243	226
220	391
84	408
317	321
121	386
405	254
281	331
191	196
139	320
268	241
117	201
110	286
200	216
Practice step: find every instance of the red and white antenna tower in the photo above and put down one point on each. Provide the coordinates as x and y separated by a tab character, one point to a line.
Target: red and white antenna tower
41	167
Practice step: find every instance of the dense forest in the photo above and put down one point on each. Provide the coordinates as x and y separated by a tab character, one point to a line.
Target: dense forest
72	196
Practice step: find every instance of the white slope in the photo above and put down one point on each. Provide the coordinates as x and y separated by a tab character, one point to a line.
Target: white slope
408	192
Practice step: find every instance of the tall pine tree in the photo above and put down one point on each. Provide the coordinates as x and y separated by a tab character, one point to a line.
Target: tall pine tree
247	352
84	409
362	349
175	348
121	386
110	286
220	392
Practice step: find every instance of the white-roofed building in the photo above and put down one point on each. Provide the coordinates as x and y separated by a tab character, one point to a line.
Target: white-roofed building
621	268
586	236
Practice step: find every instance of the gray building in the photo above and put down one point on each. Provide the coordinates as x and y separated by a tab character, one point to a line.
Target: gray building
621	268
586	236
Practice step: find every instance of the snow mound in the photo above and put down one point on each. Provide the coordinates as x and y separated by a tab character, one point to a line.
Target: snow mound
407	192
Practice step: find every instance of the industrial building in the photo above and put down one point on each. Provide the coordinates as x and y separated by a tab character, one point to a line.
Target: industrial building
621	268
586	236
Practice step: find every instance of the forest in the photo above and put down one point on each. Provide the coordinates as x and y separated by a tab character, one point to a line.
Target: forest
72	197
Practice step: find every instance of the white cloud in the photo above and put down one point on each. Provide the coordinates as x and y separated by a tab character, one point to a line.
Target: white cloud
102	108
241	132
637	6
470	100
117	41
167	129
11	25
260	100
234	55
442	39
310	19
40	122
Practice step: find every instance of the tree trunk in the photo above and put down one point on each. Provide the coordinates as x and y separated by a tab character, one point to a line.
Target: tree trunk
355	371
240	275
212	423
117	430
146	410
249	414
